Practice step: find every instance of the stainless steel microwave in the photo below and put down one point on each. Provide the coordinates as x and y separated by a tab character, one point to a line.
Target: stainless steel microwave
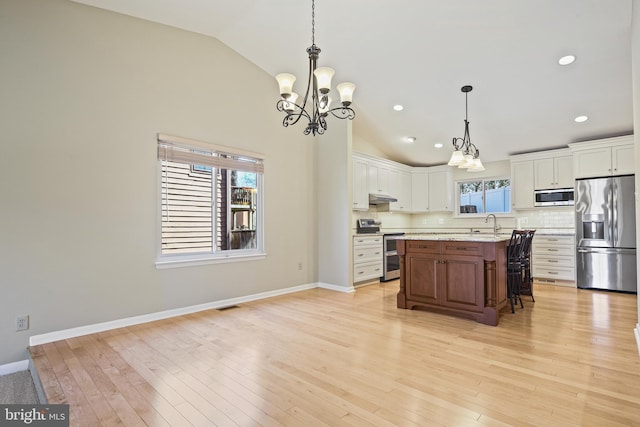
555	197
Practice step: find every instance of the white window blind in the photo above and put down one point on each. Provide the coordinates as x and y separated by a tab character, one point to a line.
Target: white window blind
183	150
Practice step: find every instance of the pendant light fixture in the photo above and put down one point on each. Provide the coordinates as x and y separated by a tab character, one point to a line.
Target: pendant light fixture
466	155
318	86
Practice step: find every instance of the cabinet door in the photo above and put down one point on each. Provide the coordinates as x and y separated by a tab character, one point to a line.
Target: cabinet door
544	174
623	159
440	191
522	185
592	163
419	189
404	193
463	282
400	188
372	177
563	171
378	179
394	189
423	270
360	185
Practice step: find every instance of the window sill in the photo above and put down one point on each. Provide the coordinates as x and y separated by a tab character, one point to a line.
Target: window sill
166	263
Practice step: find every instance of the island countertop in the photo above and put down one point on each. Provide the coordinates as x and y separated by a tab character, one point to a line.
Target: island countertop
468	237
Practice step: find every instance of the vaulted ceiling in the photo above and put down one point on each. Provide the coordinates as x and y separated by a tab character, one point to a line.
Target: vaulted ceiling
419	53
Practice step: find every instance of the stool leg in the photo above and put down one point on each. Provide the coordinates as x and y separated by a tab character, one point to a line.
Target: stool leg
519	286
510	295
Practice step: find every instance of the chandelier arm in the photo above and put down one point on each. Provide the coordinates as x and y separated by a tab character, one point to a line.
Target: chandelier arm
457	147
342	112
292	117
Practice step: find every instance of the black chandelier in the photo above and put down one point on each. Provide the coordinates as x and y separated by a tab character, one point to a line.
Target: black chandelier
319	84
466	155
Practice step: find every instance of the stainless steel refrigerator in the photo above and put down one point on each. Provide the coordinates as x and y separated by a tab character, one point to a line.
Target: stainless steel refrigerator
606	233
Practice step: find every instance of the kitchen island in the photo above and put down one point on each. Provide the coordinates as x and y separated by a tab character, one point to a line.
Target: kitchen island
460	275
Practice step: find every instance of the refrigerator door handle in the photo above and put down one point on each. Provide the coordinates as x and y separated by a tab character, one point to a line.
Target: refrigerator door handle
584	250
614	213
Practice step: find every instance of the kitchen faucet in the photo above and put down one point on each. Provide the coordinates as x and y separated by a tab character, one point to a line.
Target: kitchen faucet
495	224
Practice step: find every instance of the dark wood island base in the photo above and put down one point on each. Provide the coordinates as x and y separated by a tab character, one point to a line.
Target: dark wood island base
464	278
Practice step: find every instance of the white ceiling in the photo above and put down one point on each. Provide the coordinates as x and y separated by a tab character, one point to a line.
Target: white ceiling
419	53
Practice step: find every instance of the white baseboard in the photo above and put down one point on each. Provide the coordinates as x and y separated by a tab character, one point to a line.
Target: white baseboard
637	333
13	367
347	289
145	318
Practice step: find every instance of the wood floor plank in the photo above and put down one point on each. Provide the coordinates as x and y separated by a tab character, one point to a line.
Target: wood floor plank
323	358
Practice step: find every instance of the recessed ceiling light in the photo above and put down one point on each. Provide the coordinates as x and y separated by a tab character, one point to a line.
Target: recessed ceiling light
581	119
398	107
411	139
566	60
438	145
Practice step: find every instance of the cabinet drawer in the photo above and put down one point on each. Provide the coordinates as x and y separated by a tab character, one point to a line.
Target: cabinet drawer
545	261
553	273
548	251
367	271
552	240
367	240
367	253
424	246
462	248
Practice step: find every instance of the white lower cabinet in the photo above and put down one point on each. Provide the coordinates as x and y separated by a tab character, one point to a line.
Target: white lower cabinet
554	257
367	257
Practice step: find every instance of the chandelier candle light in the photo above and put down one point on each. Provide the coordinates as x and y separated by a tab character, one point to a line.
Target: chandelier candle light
319	84
466	155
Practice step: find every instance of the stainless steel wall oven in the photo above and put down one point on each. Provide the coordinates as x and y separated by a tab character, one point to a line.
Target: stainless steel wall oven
391	261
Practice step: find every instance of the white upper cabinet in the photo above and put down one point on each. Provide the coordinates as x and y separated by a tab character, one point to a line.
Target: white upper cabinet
604	157
400	188
360	185
420	190
522	196
553	172
378	179
440	189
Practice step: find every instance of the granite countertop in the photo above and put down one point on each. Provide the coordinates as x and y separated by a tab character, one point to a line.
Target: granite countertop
555	231
468	237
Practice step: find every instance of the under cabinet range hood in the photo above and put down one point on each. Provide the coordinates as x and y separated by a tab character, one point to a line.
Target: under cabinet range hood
380	199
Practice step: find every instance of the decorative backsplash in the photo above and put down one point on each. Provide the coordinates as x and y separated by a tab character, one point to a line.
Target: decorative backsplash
540	218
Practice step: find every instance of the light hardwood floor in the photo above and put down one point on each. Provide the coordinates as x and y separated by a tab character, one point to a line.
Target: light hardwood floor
320	357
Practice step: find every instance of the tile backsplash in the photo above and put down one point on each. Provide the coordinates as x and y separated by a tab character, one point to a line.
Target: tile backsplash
552	218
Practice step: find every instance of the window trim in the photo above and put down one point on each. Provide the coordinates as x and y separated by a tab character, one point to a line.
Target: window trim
457	213
164	261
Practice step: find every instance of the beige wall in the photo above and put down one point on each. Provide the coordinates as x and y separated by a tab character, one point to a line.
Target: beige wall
83	93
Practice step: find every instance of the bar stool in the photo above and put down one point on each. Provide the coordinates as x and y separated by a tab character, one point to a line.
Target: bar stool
515	267
526	287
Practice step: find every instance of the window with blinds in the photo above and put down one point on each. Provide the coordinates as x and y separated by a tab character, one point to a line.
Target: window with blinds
211	200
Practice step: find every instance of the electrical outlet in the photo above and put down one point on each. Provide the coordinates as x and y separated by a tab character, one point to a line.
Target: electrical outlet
22	323
299	266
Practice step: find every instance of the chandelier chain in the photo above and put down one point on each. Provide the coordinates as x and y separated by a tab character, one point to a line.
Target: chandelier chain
313	22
